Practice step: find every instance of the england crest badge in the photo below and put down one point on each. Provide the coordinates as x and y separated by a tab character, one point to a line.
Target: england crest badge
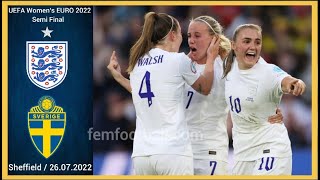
47	63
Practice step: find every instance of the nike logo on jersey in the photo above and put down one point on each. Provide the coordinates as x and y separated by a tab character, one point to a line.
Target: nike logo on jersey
253	90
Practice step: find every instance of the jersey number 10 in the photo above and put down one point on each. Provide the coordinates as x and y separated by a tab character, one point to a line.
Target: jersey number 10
235	104
148	94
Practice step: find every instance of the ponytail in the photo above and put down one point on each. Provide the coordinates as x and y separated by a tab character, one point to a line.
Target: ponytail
224	47
144	44
227	64
155	30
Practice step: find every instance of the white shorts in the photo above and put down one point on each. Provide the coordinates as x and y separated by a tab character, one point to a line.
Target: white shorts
210	167
163	165
264	166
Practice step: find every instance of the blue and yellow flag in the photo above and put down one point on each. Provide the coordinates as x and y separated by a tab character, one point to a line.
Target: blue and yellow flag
46	124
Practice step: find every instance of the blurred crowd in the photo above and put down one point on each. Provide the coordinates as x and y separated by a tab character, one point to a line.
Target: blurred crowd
286	43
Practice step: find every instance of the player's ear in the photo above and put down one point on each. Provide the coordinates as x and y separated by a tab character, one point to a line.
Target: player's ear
233	46
173	35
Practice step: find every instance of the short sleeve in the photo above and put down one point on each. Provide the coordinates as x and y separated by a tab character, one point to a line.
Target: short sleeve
188	69
277	74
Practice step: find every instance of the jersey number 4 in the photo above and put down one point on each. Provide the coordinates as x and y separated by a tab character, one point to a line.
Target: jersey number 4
148	94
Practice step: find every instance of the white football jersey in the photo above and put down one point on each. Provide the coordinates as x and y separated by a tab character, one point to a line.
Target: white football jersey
252	96
207	117
157	83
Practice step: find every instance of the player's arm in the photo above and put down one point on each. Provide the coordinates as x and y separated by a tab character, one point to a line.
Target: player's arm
115	71
293	86
204	83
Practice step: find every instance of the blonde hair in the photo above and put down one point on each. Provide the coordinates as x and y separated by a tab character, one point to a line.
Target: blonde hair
216	29
156	28
229	60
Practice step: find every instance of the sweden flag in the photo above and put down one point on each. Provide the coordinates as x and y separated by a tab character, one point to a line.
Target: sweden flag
46	134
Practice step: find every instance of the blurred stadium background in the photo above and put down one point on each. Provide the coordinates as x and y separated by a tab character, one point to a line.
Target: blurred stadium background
286	43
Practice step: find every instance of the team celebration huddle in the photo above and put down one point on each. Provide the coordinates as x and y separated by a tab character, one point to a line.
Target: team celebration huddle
182	101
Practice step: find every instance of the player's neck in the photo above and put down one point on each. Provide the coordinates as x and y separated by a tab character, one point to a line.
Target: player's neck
202	61
165	47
